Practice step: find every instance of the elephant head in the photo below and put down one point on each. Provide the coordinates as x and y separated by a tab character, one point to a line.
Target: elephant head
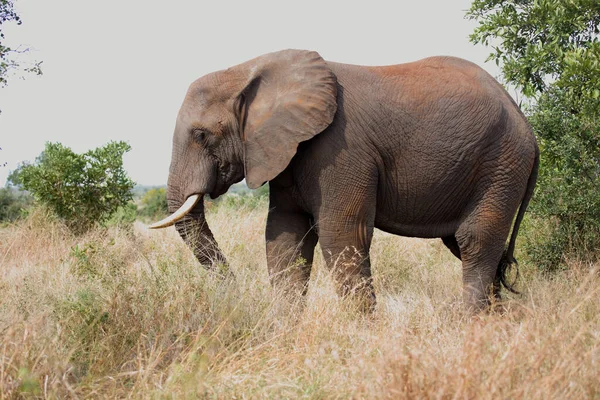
243	122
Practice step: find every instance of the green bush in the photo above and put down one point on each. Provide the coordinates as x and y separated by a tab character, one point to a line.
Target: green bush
154	204
13	204
83	189
123	217
568	195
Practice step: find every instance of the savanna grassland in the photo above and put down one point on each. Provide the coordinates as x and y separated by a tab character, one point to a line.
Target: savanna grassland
129	313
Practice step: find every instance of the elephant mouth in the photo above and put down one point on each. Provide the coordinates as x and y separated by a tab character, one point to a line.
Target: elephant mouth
229	175
219	190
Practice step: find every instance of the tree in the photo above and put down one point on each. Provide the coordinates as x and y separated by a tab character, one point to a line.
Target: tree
550	49
7	54
80	188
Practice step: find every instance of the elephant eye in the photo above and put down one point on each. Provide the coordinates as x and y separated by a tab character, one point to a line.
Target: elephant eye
201	136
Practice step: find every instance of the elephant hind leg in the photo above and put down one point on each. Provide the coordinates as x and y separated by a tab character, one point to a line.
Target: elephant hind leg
452	244
481	240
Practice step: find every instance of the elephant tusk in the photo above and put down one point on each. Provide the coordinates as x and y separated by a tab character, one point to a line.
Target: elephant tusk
179	214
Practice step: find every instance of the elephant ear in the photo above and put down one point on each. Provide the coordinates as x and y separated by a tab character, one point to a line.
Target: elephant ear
290	97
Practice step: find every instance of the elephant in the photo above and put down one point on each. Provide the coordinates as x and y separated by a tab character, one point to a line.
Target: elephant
434	148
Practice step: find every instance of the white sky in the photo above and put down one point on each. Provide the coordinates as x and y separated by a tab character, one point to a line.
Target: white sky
118	69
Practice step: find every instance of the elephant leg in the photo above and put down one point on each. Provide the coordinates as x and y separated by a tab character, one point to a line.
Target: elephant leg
452	245
346	226
291	240
346	222
481	240
346	253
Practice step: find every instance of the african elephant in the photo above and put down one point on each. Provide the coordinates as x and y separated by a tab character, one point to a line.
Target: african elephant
432	149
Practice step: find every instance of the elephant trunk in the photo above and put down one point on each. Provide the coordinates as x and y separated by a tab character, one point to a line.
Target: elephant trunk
196	233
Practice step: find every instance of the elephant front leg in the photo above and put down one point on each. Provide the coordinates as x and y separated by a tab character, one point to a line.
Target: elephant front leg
346	251
291	241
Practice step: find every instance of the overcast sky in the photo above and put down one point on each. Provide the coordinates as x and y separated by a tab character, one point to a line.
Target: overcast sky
118	69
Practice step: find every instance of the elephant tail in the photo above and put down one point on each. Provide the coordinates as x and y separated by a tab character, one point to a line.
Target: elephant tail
508	258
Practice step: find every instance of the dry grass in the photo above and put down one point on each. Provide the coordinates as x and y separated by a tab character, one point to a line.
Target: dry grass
122	314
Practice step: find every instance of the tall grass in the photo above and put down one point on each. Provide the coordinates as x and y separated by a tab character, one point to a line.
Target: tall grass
121	313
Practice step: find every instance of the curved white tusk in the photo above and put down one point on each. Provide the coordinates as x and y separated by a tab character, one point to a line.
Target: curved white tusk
179	214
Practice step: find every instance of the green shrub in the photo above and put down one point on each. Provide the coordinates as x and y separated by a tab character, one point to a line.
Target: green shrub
13	204
568	193
154	204
83	189
124	216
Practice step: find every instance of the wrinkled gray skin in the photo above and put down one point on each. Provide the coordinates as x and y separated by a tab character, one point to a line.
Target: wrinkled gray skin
431	149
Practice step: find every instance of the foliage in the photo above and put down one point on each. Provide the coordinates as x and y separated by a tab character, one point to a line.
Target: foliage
7	54
542	43
123	217
13	203
80	188
154	204
568	186
242	197
550	49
